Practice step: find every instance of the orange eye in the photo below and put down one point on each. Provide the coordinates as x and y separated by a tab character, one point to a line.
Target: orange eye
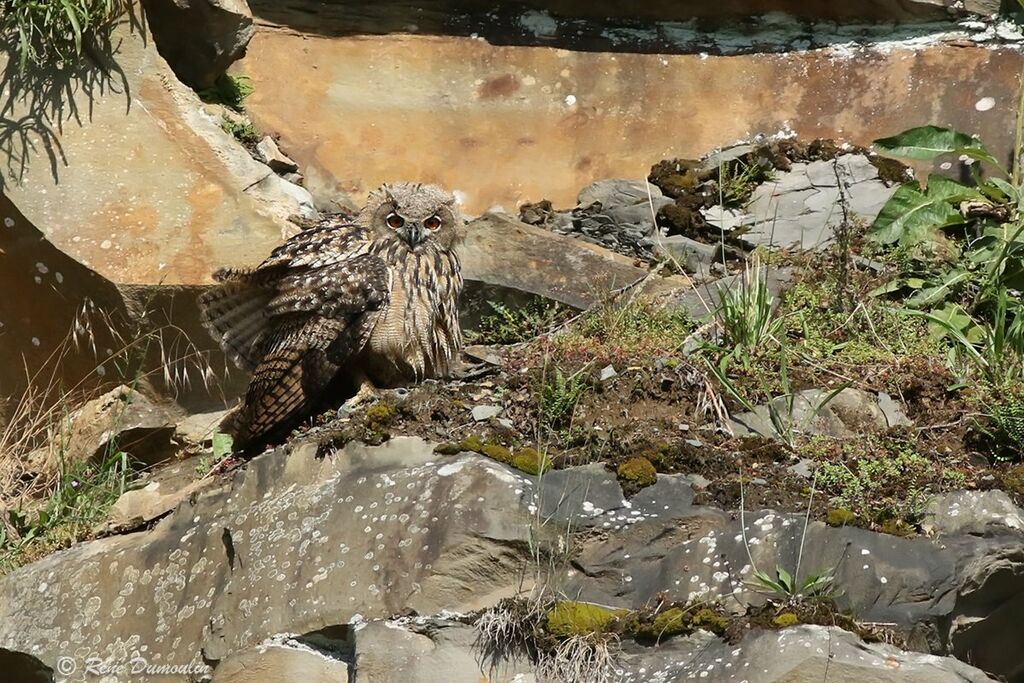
395	221
432	223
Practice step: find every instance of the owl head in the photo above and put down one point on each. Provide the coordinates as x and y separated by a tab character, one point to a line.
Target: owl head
418	216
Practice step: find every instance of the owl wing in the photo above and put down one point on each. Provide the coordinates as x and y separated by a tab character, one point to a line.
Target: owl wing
305	310
236	313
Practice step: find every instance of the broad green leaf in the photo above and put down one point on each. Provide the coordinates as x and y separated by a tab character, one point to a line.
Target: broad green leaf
979	153
933	295
785	578
926	142
911	216
941	187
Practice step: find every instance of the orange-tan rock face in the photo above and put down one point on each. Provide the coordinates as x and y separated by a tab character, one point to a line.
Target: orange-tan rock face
506	124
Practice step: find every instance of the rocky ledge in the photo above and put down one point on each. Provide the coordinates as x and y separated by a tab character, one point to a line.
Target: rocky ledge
373	563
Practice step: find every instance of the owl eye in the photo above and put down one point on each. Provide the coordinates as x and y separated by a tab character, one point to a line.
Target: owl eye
432	223
395	221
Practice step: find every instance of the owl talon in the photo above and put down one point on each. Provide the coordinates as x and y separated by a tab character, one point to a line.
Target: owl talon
367	394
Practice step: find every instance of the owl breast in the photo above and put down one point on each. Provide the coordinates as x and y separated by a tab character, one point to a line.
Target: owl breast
416	336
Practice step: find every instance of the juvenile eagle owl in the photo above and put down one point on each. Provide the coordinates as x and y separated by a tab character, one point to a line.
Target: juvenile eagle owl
374	302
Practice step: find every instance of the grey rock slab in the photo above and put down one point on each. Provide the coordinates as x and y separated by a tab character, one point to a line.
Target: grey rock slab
607	373
421	650
695	256
289	544
893	411
484	413
802	654
849	413
621	192
978	513
961	588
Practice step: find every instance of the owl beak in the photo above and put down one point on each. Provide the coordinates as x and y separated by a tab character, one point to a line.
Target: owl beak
412	234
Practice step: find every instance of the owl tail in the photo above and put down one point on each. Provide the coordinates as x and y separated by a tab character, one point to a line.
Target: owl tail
288	383
234	313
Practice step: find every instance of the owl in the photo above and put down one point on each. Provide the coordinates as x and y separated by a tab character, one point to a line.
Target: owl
347	306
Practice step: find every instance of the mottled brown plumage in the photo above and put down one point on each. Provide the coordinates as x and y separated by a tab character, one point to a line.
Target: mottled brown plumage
371	301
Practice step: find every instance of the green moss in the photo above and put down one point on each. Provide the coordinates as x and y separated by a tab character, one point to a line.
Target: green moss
786	619
380	415
531	461
472	443
710	620
672	622
840	517
1013	480
448	448
570	618
497	451
637	473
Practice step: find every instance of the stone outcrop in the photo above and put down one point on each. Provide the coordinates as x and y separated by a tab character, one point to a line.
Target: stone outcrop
510	109
200	39
301	544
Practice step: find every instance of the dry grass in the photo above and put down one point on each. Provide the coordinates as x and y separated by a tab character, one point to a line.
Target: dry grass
42	507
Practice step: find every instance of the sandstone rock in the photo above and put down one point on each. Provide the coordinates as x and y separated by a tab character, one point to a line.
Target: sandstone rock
272	156
120	420
200	39
504	98
285	661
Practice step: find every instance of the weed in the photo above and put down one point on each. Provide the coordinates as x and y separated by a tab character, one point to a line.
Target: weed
81	499
56	32
628	333
882	480
243	131
558	395
784	586
746	314
738	179
512	325
231	91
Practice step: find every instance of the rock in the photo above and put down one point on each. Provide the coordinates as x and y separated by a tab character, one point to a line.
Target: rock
625	87
24	668
200	39
120	420
198	429
312	540
978	513
138	507
803	468
287	660
796	654
272	156
484	413
501	257
695	256
800	208
426	650
607	373
893	411
849	413
142	229
620	215
701	301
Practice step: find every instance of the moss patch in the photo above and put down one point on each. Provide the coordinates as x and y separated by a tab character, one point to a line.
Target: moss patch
531	461
636	473
786	619
569	618
840	517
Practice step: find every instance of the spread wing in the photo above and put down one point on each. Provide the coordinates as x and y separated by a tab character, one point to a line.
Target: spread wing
294	320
